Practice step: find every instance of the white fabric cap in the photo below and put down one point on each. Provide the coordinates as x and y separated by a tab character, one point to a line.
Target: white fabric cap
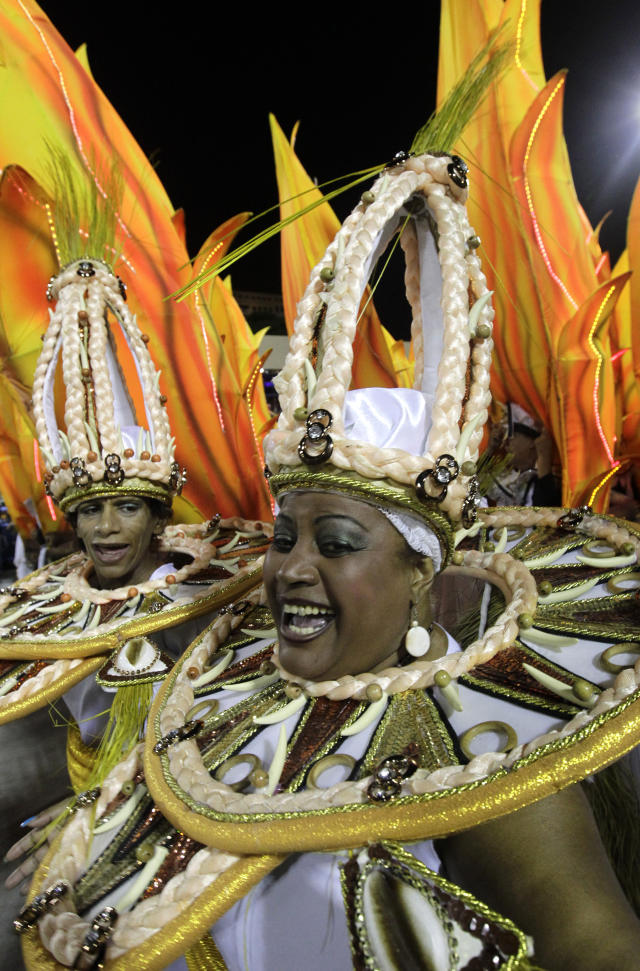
388	418
395	418
417	534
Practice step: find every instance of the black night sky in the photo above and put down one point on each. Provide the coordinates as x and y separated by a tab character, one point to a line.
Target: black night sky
195	84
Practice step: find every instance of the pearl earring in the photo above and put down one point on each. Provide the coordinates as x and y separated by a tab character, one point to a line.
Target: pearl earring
418	638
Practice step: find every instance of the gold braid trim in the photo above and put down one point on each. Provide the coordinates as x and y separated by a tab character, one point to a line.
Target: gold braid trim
13	710
131	486
373	491
430	815
176	937
80	758
205	956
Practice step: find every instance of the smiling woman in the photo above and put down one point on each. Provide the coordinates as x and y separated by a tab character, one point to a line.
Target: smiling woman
323	577
300	761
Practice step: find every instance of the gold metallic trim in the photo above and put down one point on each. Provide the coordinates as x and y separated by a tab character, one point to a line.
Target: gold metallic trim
547	770
179	934
104	642
131	486
205	956
374	491
18	709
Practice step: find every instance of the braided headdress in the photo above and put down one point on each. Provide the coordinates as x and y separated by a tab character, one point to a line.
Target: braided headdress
414	449
106	449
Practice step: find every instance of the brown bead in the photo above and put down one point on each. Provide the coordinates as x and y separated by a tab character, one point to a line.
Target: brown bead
132	592
128	453
293	691
65	598
163	399
145	455
267	667
64	464
170	578
55	469
92	456
145	338
83	315
86	372
483	331
155	457
192	673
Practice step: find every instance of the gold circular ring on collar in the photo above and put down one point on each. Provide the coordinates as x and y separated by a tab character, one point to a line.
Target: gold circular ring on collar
482	728
230	763
616	649
209	705
328	762
599	549
618	584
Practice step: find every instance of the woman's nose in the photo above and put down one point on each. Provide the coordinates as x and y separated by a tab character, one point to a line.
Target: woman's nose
298	566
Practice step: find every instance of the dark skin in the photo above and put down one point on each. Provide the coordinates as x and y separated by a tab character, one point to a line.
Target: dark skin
545	866
117	534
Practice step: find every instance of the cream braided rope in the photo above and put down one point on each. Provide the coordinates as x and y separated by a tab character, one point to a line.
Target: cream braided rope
518	585
62	934
347	258
95	295
40	682
185	762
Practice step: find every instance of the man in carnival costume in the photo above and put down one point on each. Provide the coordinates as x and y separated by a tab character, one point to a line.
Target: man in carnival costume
293	779
101	627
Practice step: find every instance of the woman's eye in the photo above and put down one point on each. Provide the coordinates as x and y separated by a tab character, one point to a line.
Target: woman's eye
283	543
335	547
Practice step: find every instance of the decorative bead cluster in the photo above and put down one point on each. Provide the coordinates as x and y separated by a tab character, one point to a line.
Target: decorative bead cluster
41	904
185	731
440	476
457	172
574	517
387	778
471	503
318	424
114	474
177	479
95	942
81	476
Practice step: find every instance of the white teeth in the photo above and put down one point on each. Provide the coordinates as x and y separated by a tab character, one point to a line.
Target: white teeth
305	611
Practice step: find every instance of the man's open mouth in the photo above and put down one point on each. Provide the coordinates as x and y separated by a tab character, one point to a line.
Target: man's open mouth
110	553
304	620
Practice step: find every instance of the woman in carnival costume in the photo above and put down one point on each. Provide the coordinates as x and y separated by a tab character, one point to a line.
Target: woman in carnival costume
292	780
103	625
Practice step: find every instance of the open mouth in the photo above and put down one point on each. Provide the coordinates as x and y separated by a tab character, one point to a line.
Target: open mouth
110	553
304	621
